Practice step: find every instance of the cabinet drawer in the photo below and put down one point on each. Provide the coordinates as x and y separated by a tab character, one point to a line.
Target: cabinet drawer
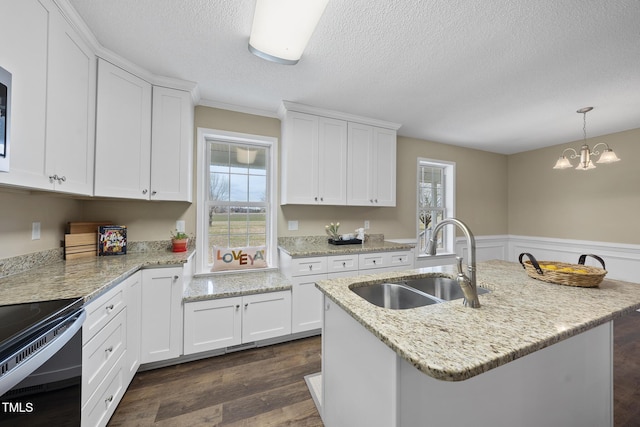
303	266
103	403
372	260
101	311
340	263
400	259
101	353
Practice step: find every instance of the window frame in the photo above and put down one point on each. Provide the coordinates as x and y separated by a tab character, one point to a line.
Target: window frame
204	137
449	183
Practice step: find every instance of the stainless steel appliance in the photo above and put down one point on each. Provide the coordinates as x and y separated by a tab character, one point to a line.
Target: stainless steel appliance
41	363
5	118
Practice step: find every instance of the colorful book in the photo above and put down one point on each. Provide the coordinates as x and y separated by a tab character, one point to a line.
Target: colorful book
112	240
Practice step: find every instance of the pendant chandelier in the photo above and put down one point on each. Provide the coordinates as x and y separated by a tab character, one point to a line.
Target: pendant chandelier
607	155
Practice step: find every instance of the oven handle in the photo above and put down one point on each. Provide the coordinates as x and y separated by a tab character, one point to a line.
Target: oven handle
23	370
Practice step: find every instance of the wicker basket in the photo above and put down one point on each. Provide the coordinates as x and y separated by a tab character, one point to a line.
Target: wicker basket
563	273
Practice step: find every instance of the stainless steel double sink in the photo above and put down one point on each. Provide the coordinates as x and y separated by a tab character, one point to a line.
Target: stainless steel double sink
412	293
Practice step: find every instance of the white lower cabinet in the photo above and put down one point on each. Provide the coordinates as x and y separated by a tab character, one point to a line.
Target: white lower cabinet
109	352
219	323
161	314
306	307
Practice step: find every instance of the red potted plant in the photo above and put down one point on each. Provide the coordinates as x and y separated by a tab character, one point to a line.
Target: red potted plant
179	241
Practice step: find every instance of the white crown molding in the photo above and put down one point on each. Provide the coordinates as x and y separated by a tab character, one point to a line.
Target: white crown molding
237	108
301	108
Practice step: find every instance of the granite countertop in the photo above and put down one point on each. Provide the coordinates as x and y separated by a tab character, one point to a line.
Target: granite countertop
235	284
519	316
319	246
81	278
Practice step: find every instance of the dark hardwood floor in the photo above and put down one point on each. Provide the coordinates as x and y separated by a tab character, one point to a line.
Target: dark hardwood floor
266	387
626	372
257	387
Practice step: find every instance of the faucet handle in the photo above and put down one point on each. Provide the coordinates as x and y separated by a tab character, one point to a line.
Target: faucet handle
459	262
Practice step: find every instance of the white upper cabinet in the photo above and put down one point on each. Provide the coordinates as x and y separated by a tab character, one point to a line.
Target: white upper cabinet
335	158
123	134
53	99
171	145
372	166
144	138
71	101
314	153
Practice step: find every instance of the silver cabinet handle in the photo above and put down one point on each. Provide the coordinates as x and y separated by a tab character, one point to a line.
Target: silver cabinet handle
237	306
144	191
62	179
109	349
371	200
310	267
109	307
376	200
108	399
153	193
175	278
53	178
322	199
374	261
246	304
344	265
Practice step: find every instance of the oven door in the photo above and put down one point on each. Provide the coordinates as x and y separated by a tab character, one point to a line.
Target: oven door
45	390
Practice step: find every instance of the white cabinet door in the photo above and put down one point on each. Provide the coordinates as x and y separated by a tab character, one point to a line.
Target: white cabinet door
384	171
23	30
372	166
132	288
123	134
332	162
71	90
161	314
360	155
266	316
212	324
306	303
171	145
299	159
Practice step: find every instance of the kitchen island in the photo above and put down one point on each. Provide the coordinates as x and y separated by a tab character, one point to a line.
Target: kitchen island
533	354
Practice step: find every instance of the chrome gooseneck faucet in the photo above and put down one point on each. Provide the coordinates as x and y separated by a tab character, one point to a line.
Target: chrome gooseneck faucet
467	283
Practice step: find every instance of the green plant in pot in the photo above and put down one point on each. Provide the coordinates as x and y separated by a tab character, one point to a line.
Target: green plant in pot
179	241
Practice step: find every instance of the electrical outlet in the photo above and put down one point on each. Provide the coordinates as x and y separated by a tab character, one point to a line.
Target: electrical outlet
180	225
35	231
366	225
293	225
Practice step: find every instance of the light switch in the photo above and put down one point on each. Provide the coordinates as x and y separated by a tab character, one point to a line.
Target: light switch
293	225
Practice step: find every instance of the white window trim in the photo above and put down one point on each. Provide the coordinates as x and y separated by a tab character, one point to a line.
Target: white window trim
203	136
450	202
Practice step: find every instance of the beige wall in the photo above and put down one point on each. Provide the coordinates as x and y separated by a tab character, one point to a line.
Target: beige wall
599	205
19	209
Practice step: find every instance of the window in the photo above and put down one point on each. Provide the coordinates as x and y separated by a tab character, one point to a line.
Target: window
236	194
435	201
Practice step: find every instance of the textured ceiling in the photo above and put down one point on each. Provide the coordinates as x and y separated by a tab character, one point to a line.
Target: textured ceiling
503	75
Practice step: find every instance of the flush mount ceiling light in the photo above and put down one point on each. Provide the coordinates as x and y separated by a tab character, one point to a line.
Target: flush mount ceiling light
607	156
282	28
